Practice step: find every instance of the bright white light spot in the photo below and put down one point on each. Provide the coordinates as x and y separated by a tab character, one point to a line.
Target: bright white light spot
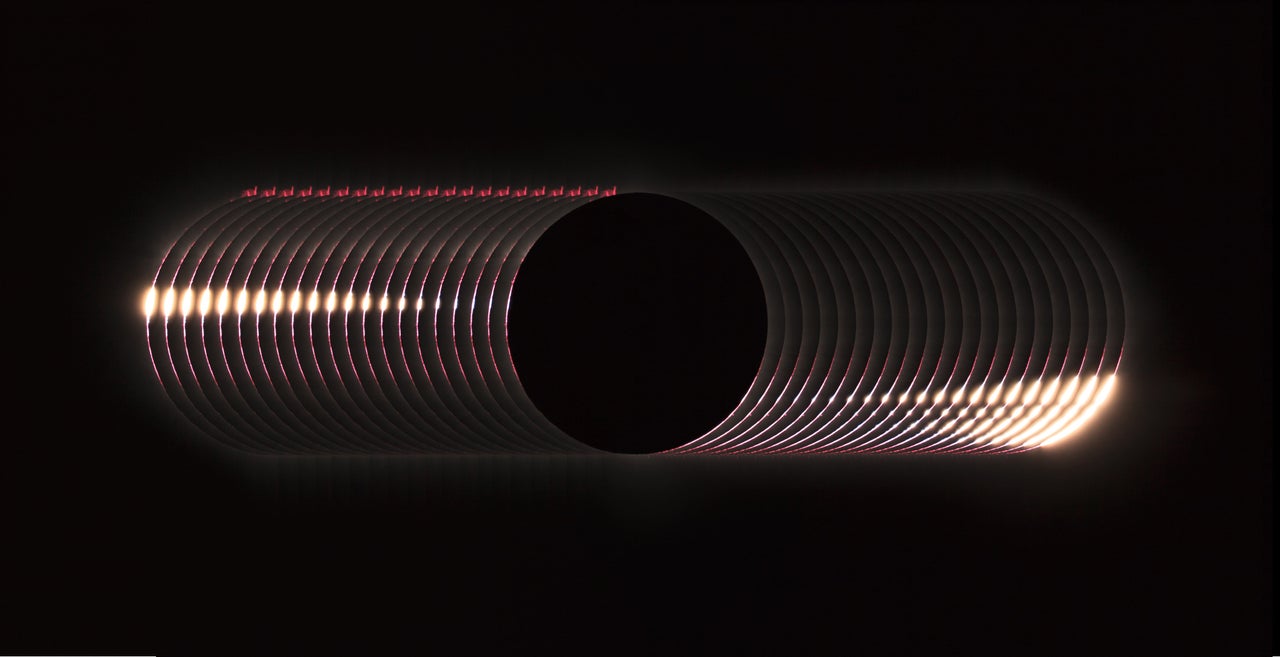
349	302
1032	392
437	303
242	302
921	397
149	302
206	301
1069	393
366	303
295	301
976	396
384	304
313	301
260	302
184	306
958	397
938	398
1012	395
1098	400
402	303
1050	391
419	304
902	399
277	301
224	301
885	399
331	301
994	396
166	306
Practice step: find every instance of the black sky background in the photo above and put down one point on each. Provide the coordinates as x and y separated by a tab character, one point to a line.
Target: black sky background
126	531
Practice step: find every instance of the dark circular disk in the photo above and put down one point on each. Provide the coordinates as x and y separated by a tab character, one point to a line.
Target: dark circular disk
637	323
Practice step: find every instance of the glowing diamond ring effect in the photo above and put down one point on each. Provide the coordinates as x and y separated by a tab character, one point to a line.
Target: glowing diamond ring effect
321	321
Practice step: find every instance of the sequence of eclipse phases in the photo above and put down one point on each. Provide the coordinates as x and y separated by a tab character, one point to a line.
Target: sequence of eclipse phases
588	320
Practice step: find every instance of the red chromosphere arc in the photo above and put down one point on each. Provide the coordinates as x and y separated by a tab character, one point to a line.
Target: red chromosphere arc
321	320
